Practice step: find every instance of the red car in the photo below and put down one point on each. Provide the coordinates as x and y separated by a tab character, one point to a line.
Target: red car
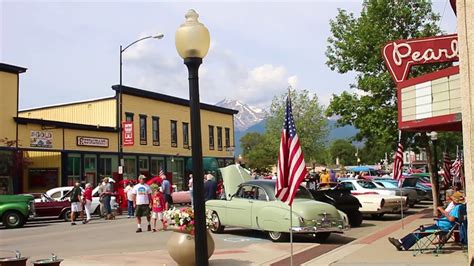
48	207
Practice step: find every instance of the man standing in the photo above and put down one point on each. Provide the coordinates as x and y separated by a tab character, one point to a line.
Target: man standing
166	188
128	192
107	195
142	202
210	188
76	205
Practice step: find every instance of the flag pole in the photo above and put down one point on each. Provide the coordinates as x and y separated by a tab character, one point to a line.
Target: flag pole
401	185
291	210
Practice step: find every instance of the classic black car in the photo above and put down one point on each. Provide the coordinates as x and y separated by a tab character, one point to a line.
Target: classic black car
340	198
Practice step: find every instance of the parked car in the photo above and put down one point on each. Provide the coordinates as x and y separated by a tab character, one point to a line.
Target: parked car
62	194
424	192
48	207
15	210
340	198
391	184
252	204
374	201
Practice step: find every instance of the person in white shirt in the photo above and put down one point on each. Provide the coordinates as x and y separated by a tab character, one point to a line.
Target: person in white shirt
190	186
142	202
129	193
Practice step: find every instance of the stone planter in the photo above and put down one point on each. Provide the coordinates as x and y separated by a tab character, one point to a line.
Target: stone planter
181	247
13	261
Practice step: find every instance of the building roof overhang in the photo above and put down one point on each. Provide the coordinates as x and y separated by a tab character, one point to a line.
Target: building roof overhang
60	124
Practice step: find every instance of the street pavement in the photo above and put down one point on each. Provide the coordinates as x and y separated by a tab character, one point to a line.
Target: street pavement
116	243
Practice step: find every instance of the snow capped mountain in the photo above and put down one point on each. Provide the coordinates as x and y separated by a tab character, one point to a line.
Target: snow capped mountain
247	116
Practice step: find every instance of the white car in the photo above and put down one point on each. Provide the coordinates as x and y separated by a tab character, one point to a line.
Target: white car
61	193
374	201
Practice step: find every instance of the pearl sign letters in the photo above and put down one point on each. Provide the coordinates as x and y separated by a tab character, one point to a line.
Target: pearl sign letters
401	55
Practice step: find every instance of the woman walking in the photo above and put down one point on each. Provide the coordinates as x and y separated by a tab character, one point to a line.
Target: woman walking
87	200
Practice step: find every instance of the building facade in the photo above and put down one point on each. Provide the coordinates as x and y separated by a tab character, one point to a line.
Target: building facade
56	145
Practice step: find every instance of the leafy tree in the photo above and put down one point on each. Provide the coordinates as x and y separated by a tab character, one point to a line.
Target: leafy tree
261	150
355	45
310	121
343	150
257	152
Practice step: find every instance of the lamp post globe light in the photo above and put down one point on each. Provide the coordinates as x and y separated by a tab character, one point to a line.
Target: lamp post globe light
192	43
156	36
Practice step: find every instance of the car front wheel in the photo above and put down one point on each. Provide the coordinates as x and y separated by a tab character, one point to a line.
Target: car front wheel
216	226
13	219
278	236
67	215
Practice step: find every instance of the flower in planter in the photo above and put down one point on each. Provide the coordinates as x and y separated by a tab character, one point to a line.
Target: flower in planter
182	219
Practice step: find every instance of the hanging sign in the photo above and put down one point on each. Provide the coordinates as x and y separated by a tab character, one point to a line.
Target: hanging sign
127	133
401	55
41	139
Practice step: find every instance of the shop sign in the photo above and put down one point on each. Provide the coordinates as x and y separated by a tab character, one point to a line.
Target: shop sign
92	142
41	139
401	55
127	133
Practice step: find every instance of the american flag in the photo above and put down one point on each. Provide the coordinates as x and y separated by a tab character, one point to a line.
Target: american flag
291	165
398	165
446	169
161	173
456	169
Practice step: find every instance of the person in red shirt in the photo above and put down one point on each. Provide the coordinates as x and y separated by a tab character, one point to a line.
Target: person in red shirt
157	209
87	201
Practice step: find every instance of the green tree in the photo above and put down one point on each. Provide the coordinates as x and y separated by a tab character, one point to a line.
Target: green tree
343	150
355	46
310	121
257	151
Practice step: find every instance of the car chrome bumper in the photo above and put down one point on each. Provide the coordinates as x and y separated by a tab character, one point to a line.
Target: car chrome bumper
315	229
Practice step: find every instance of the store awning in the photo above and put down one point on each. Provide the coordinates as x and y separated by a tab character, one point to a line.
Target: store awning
209	164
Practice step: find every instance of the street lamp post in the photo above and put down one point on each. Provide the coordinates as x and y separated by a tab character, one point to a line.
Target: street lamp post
434	139
192	43
119	115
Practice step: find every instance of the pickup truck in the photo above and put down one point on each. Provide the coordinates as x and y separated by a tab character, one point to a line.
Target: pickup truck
15	210
342	199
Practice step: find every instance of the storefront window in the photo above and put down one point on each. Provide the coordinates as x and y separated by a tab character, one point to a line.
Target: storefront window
6	167
157	164
130	167
108	166
90	169
73	168
176	166
143	163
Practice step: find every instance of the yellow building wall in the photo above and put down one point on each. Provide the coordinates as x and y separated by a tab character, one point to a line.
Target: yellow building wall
25	139
70	140
8	106
40	159
167	112
100	112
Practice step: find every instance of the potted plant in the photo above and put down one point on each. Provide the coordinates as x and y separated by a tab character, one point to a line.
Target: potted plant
181	246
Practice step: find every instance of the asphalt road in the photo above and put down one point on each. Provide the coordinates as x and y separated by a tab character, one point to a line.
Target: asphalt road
38	239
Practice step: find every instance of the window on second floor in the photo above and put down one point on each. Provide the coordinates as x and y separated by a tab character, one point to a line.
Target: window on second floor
219	138
156	130
142	129
128	117
211	137
174	133
185	135
227	137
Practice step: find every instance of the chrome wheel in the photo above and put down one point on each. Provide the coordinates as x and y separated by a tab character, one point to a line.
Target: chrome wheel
216	226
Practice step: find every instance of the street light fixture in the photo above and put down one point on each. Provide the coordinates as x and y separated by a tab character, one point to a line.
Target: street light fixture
192	43
156	36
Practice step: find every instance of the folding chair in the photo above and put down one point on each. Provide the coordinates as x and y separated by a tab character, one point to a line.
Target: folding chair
426	238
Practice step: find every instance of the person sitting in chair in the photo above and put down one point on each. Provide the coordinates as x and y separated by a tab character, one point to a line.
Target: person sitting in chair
445	224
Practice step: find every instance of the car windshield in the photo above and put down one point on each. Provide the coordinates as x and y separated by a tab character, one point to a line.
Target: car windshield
366	184
388	184
303	193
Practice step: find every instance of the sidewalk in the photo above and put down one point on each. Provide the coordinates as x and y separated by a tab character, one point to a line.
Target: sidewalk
373	249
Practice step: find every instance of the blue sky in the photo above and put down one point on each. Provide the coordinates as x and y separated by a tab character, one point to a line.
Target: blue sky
71	49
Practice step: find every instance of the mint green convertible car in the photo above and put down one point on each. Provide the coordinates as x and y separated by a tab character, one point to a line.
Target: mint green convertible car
252	204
